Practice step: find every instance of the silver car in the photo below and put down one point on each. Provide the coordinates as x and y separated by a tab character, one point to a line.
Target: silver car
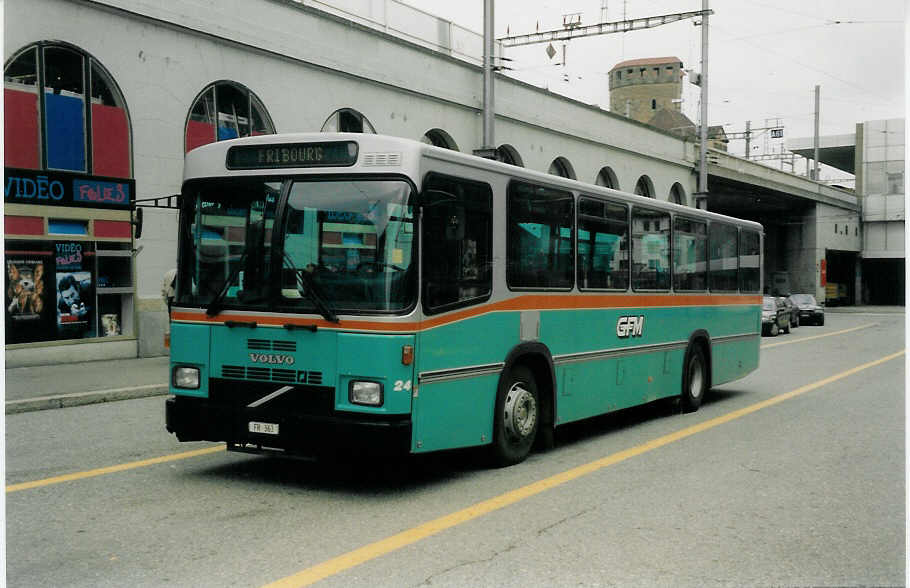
774	316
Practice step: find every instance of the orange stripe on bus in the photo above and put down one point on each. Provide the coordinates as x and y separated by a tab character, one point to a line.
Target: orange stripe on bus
528	302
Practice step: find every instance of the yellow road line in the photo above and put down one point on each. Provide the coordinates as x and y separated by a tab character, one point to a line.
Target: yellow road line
382	547
112	469
801	339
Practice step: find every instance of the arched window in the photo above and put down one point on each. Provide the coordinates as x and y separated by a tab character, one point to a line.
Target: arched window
561	167
678	194
606	178
440	138
225	110
347	120
84	124
644	187
508	154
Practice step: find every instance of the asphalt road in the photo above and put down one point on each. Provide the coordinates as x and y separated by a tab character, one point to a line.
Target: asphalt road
755	488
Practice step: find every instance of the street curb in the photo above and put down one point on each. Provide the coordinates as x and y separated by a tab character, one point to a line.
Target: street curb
83	398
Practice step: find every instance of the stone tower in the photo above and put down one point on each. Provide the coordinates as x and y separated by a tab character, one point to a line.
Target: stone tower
645	86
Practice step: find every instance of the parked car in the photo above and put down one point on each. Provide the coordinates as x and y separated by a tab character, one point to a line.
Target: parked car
774	316
810	311
793	310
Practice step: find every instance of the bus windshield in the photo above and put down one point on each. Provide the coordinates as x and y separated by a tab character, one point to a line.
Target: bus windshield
354	239
225	238
341	246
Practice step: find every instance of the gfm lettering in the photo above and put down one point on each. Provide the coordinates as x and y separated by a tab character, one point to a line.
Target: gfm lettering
630	326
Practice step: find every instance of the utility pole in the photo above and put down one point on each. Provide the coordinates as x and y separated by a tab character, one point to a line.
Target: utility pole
815	154
703	147
748	138
488	110
623	26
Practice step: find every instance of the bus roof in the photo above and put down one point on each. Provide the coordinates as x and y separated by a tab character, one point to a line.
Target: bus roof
388	154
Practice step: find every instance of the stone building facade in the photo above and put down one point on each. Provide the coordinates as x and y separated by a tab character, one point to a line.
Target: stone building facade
639	88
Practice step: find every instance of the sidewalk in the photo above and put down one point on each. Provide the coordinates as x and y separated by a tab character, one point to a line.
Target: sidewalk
74	384
865	309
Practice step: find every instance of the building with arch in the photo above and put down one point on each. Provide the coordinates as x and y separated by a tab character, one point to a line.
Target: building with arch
163	77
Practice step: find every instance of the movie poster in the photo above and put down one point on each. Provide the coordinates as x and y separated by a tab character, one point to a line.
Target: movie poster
74	289
28	303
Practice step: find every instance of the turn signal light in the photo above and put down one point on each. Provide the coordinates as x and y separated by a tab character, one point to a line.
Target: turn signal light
407	355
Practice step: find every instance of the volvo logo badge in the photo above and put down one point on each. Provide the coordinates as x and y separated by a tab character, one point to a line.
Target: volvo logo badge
272	358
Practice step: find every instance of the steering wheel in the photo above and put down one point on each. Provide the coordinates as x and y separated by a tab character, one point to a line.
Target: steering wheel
377	265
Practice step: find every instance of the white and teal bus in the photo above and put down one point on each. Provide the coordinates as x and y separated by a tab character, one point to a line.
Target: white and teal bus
356	292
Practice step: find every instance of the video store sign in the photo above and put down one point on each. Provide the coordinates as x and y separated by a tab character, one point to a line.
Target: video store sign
26	186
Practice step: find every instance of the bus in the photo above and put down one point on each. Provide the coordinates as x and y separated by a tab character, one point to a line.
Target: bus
342	292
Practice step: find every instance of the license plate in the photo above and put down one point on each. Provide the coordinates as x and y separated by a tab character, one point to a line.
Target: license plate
264	428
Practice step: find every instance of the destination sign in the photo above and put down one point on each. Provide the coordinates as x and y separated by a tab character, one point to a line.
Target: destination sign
333	154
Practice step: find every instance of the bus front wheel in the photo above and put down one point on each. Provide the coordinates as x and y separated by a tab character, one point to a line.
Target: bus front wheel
695	378
517	416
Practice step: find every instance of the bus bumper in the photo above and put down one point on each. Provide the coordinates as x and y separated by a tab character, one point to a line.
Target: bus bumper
198	419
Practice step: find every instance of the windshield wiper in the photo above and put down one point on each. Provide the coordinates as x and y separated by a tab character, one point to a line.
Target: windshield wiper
215	305
307	287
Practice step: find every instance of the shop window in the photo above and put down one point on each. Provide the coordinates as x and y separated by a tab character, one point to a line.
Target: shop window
21	134
63	289
80	131
347	120
110	127
225	110
56	226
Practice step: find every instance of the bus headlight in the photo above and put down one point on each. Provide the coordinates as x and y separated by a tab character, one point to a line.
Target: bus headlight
366	393
186	377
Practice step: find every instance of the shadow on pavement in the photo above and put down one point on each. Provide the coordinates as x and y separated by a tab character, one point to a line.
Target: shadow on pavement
384	476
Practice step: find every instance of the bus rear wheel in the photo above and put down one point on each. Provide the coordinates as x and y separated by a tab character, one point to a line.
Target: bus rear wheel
695	378
517	417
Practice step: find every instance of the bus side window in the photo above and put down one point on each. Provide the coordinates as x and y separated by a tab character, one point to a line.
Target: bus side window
457	242
603	245
650	249
749	261
690	255
722	243
539	237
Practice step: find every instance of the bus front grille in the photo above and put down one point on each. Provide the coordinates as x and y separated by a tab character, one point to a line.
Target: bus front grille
239	372
269	345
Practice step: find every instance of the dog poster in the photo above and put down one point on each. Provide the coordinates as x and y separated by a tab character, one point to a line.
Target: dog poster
28	302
